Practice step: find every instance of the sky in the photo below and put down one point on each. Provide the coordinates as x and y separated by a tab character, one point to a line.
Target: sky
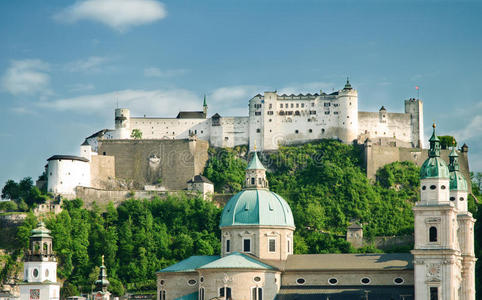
66	65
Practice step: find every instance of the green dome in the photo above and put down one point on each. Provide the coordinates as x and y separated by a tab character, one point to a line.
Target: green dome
458	182
434	167
257	207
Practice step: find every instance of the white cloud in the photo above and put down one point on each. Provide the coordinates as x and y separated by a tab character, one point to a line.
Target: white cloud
88	65
471	131
155	102
26	77
20	110
156	72
233	100
117	14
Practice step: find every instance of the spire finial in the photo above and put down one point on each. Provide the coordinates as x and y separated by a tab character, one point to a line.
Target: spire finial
102	259
255	146
434	125
204	102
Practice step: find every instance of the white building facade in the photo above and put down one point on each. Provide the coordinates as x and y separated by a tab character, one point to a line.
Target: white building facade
275	120
65	172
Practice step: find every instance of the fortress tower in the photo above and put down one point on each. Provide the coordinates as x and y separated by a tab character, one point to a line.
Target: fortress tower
414	107
122	123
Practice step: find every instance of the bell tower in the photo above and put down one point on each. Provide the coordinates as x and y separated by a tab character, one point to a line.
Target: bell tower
40	268
436	251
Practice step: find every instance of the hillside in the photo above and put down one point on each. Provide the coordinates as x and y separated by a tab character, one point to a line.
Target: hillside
323	182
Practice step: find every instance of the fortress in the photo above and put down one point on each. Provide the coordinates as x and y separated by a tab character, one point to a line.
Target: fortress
276	120
165	154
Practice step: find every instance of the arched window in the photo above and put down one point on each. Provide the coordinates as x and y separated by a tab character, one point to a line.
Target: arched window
201	294
162	295
252	180
256	293
46	248
225	293
433	234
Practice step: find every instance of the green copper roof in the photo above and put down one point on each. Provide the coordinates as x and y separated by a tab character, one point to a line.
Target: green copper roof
257	207
237	260
457	180
41	231
204	102
255	163
190	264
434	166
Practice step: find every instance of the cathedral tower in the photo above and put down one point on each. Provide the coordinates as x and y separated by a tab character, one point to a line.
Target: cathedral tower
436	250
465	232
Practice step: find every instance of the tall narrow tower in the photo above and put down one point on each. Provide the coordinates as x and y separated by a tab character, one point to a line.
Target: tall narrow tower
436	250
465	232
205	107
40	268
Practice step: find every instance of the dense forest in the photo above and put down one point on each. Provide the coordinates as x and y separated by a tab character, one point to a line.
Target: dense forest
324	183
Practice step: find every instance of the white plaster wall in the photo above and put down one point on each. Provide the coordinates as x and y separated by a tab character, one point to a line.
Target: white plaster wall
394	125
434	196
29	267
169	128
459	200
64	175
47	292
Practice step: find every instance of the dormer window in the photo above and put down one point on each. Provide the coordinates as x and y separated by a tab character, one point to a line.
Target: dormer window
247	245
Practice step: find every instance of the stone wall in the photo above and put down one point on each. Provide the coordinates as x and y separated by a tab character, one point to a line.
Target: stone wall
8	224
170	163
102	170
376	156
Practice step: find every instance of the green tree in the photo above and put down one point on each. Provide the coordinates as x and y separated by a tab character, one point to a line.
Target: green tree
447	141
136	134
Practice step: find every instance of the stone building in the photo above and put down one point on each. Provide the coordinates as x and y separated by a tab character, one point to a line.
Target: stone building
257	260
40	268
275	120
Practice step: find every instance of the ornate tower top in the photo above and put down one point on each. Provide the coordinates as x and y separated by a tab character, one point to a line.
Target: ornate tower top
347	84
102	283
40	244
434	166
205	105
256	173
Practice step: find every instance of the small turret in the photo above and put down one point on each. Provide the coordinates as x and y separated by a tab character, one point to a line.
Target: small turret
347	84
205	106
256	173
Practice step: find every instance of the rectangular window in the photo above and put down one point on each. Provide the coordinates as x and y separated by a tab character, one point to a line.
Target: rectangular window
281	106
291	105
289	247
312	104
270	112
257	113
327	112
335	112
302	105
312	112
228	245
270	105
201	294
246	245
297	105
258	130
433	293
326	104
272	245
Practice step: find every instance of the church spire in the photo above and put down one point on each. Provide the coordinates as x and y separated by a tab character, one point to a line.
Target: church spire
453	159
434	144
205	106
347	84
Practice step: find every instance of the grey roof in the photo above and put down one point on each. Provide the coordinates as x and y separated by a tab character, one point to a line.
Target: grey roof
67	157
85	143
199	179
355	225
98	133
191	115
330	262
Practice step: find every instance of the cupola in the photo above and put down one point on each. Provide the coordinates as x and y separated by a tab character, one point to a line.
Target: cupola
256	220
458	184
434	175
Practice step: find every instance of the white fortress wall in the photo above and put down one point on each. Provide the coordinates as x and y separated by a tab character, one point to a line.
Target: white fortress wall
385	125
173	128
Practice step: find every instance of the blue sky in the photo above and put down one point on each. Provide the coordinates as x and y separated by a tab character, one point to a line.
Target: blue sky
64	65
